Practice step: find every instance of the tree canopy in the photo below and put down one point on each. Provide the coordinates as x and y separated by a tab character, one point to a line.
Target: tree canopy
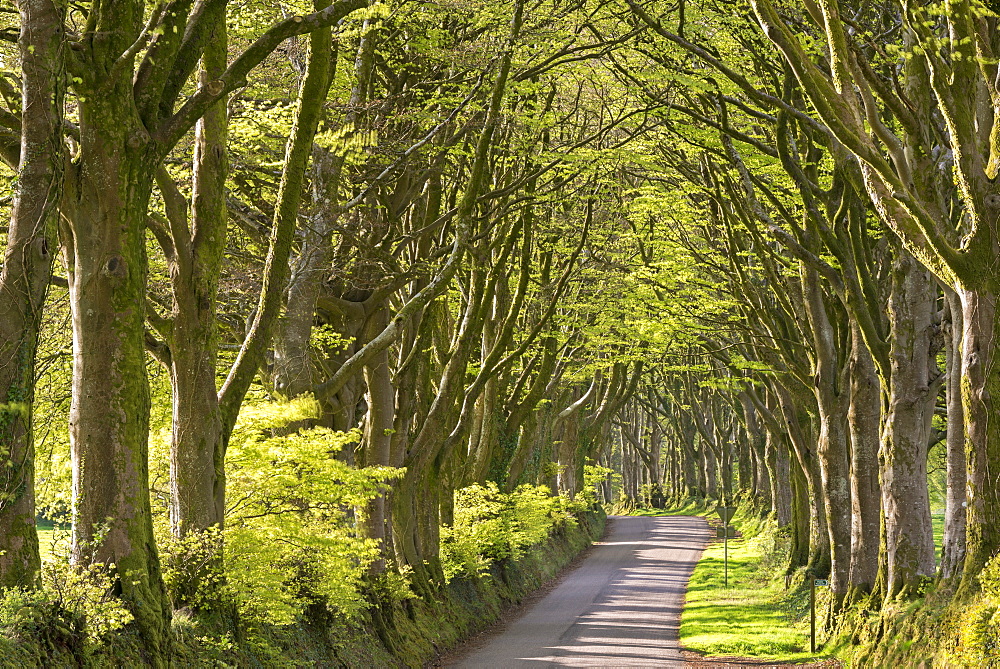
292	291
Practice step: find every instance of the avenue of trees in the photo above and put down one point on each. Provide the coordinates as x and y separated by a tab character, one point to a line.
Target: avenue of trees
295	277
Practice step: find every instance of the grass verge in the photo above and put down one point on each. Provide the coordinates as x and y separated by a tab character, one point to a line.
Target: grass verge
755	616
690	508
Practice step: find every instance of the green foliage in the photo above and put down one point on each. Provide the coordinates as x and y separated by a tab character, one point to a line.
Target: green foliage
191	568
75	606
978	636
324	338
392	585
14	409
491	525
593	476
53	469
291	537
977	631
989	578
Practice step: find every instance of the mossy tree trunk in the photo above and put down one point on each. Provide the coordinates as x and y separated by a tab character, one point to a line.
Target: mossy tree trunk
953	549
810	500
913	388
27	266
800	550
108	193
194	244
378	436
865	421
104	213
981	404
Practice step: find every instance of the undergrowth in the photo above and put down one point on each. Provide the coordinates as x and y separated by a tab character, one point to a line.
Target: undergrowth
936	630
287	582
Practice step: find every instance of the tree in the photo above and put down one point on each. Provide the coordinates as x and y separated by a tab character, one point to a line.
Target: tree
904	169
27	266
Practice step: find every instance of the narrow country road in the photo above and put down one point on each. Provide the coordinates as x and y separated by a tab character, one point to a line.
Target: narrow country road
620	608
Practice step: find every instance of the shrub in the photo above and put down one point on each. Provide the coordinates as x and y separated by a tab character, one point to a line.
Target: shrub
74	607
291	538
491	525
978	627
977	636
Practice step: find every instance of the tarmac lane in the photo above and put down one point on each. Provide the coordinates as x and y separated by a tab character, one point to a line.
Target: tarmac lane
620	607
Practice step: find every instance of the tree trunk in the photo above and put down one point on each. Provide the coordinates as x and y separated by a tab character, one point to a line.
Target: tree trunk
835	472
710	463
105	252
833	403
756	441
801	437
980	399
197	476
378	435
953	550
566	477
689	462
292	374
913	387
746	468
801	513
780	477
27	265
865	422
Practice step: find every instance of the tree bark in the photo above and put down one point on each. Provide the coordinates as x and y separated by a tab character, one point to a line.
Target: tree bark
981	404
802	436
378	436
781	490
197	476
913	389
27	266
105	250
711	467
953	549
833	403
756	442
801	514
865	420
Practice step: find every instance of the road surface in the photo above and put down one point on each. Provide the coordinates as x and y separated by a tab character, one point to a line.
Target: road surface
620	608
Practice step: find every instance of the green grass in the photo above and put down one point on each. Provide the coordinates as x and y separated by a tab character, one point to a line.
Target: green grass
691	508
754	617
53	540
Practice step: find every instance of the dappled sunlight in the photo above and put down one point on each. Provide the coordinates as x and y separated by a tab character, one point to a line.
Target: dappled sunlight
749	618
619	608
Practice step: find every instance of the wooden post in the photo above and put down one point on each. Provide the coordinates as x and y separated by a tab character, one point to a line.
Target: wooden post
725	533
812	614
